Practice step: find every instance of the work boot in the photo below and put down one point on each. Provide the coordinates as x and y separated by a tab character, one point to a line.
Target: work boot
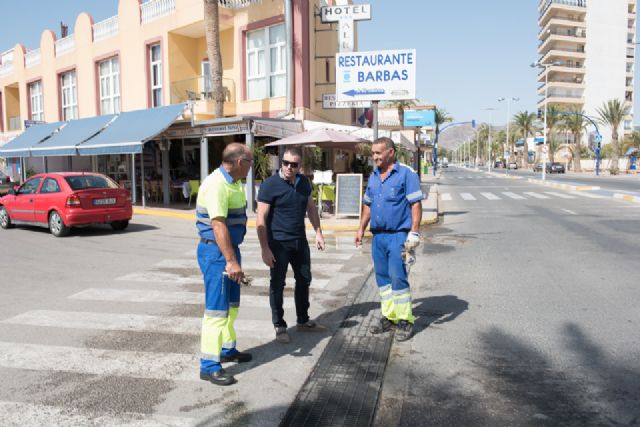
384	325
219	377
404	330
310	326
281	335
233	355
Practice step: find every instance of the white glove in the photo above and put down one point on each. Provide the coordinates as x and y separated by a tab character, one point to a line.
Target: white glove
413	240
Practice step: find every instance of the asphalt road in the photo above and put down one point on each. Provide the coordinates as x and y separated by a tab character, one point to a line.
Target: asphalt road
526	300
622	183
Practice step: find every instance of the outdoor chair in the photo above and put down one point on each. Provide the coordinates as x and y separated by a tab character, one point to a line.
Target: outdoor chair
194	187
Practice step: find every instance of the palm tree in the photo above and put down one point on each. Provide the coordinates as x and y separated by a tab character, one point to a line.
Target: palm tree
524	124
441	117
612	113
554	121
212	35
575	123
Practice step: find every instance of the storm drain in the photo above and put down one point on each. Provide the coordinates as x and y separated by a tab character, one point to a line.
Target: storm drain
343	387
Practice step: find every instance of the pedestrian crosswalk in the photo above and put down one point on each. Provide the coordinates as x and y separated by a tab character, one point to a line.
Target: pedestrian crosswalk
510	195
173	288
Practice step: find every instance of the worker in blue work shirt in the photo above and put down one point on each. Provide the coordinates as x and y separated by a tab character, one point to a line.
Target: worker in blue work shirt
392	203
221	220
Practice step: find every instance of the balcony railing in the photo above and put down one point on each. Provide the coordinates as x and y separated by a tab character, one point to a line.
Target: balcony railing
65	45
6	68
155	9
105	29
576	3
32	58
237	4
200	88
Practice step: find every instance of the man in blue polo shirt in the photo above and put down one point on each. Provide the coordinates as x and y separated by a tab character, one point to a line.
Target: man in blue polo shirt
283	201
392	202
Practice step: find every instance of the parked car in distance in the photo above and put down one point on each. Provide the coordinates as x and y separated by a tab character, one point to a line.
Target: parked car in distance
498	164
512	165
60	201
5	183
555	167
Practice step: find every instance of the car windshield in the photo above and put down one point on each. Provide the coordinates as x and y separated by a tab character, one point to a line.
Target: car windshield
85	182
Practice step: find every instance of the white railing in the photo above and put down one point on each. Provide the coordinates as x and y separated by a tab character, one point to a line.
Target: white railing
65	45
237	4
32	58
6	69
105	29
155	9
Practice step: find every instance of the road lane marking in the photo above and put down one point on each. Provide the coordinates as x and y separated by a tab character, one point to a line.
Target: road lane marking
513	195
445	197
490	196
20	413
561	195
166	278
588	195
570	212
190	263
536	195
131	322
168	297
136	364
467	196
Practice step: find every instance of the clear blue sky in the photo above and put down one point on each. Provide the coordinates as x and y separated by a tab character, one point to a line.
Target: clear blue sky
469	53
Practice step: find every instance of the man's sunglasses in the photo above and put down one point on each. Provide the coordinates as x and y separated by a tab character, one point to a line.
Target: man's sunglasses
292	164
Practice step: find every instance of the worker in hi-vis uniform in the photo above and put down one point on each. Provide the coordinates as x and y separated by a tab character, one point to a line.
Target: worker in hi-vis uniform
221	220
393	204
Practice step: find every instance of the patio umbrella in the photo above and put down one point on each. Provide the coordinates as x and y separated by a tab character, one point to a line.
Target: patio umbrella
321	137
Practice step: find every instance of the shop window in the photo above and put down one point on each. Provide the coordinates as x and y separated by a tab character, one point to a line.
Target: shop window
155	78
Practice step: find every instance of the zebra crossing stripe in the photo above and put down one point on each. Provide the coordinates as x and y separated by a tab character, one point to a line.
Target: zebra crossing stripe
168	297
131	322
445	197
191	263
467	196
587	195
513	195
20	414
315	254
490	196
136	364
535	195
561	195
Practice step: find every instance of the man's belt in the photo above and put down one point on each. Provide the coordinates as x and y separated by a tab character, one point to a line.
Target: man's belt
207	241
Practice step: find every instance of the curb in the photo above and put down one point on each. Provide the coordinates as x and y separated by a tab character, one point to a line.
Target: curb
562	186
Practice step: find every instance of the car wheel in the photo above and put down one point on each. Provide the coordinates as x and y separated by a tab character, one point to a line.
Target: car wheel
5	220
57	226
120	225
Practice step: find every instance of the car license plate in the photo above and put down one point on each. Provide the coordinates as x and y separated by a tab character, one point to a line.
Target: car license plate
102	202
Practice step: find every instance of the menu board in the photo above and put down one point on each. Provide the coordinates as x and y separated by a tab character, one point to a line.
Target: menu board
348	194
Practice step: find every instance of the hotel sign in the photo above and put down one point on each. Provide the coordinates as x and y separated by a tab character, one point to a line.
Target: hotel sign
346	17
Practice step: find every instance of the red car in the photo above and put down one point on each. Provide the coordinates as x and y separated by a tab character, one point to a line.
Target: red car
63	200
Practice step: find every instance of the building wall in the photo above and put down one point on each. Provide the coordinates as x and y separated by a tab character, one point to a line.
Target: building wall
606	60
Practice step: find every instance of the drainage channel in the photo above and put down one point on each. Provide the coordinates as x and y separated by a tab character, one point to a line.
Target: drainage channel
344	386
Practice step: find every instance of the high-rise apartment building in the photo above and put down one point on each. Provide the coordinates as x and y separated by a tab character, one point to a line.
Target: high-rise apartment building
589	49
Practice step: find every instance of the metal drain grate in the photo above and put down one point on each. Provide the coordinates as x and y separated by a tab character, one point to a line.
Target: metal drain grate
343	388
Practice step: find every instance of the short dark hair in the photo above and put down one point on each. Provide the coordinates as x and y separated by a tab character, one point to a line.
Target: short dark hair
388	142
294	151
233	152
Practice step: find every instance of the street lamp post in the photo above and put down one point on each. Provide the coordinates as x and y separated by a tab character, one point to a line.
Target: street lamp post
546	100
489	159
508	99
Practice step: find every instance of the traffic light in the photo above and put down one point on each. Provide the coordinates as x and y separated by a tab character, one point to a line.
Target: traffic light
473	124
539	113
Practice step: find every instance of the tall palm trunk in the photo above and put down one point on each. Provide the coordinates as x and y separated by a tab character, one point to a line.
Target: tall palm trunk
212	34
615	149
577	136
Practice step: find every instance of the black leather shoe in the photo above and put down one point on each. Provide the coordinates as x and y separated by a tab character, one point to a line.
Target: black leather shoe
238	357
218	378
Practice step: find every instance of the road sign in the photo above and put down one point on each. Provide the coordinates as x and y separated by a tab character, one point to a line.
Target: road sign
419	118
329	102
385	75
